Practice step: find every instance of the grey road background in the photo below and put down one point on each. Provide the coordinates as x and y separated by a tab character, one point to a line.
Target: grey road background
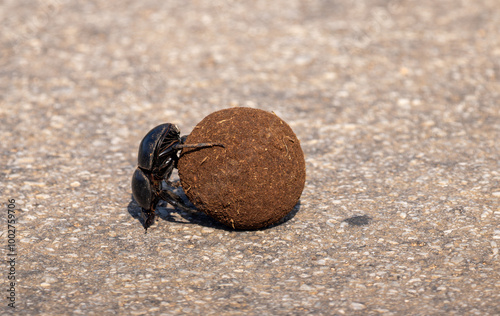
396	104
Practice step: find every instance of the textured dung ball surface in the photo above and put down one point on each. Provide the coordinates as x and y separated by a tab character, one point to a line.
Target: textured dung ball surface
255	180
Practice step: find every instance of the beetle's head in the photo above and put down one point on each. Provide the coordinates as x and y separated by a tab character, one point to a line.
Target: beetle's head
143	189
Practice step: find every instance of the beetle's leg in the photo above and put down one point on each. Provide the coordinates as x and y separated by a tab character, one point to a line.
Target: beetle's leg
183	138
174	184
199	145
170	197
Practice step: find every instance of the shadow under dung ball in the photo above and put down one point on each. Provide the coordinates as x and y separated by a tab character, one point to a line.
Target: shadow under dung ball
255	179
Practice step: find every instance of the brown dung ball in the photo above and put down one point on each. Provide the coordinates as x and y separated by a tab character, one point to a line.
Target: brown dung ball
255	179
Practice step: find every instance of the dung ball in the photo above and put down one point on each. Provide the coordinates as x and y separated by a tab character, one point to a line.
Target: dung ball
255	180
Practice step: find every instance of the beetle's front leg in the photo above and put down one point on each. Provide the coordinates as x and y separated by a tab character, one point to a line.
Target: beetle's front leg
148	217
173	199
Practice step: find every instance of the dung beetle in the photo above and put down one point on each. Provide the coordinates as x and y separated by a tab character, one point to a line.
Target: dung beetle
157	158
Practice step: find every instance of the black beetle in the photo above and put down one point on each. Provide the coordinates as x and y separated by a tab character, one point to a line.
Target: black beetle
157	158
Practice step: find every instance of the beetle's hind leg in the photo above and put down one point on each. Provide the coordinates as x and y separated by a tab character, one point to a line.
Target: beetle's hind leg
199	145
174	184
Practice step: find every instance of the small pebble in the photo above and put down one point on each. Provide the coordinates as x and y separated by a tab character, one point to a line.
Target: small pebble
357	306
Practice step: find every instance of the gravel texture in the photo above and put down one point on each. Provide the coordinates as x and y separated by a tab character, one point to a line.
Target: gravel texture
396	105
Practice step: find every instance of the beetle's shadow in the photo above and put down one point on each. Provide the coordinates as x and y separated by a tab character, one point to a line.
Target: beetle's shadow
170	214
173	215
